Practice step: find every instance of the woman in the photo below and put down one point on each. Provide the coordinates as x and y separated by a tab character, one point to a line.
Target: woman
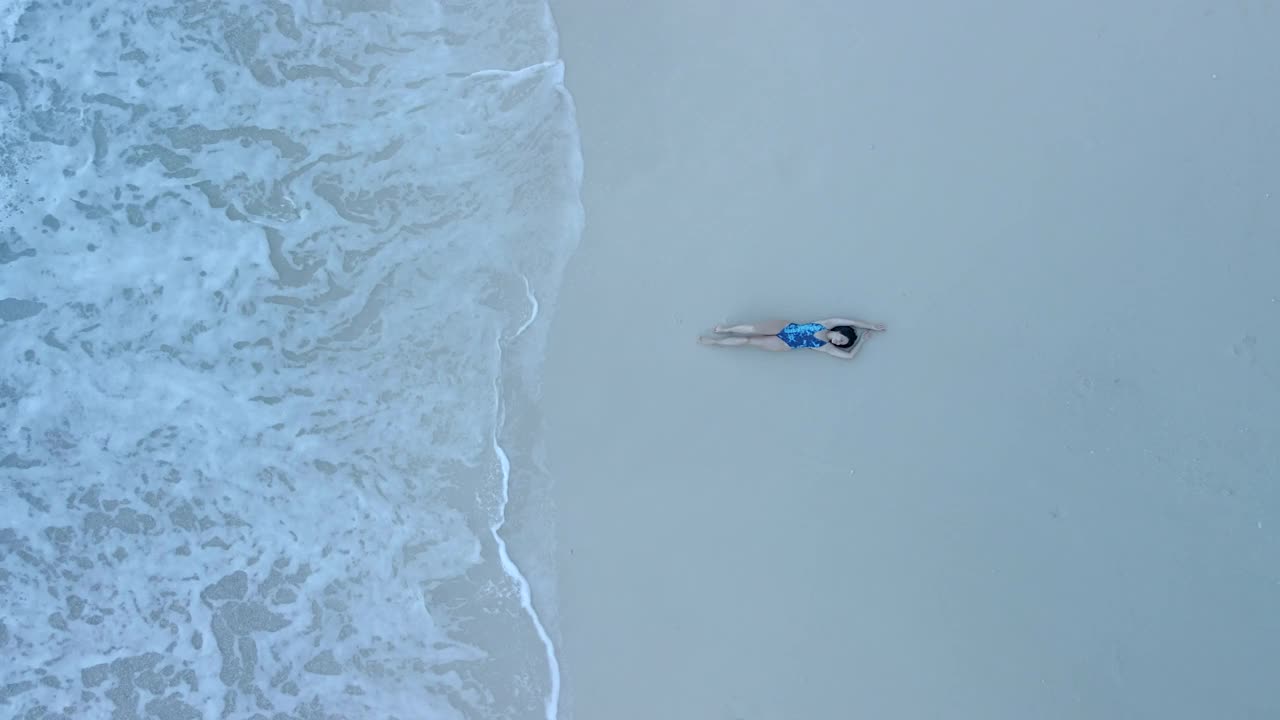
833	336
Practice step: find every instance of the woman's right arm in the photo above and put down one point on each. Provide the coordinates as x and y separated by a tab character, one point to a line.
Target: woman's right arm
842	354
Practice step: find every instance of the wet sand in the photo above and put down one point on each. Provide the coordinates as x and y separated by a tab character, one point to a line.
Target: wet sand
1048	491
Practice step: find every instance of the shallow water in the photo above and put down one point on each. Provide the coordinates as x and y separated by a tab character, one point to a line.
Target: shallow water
264	268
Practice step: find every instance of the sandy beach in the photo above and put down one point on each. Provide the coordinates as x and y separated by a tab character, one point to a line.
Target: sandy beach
1048	490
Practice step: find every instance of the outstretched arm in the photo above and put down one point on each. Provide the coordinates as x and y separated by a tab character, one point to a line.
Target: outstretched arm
863	324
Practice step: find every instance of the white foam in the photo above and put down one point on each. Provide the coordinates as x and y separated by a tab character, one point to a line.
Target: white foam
508	565
10	12
533	302
252	418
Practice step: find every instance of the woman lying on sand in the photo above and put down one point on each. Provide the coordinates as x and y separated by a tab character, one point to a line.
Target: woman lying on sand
833	336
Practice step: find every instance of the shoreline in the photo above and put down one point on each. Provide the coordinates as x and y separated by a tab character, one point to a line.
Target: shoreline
524	585
526	534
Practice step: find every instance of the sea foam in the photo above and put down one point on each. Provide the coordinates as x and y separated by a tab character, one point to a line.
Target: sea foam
265	273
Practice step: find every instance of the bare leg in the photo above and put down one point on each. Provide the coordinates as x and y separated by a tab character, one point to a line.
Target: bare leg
768	327
769	342
764	342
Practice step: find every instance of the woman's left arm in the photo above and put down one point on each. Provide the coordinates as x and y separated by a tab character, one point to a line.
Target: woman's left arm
861	324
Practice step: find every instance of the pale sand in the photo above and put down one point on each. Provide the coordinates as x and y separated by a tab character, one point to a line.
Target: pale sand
1049	491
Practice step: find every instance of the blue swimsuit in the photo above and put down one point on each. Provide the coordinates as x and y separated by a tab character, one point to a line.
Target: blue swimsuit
802	336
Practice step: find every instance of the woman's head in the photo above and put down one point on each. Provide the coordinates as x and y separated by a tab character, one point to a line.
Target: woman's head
842	336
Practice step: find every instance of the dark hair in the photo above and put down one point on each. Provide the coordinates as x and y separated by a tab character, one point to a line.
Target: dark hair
846	331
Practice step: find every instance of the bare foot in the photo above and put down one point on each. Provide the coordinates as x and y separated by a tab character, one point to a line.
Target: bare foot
718	328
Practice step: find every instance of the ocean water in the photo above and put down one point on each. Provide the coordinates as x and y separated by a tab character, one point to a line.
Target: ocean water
274	282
